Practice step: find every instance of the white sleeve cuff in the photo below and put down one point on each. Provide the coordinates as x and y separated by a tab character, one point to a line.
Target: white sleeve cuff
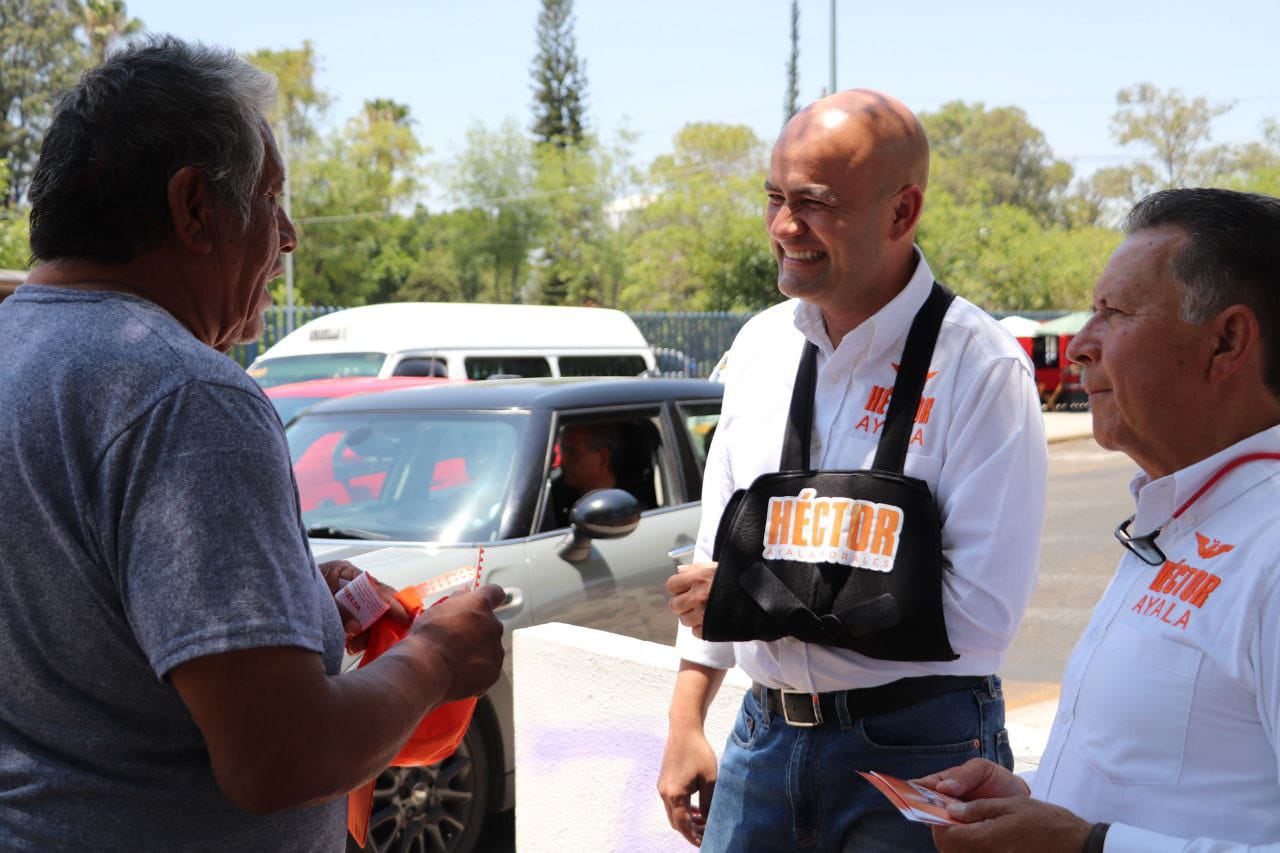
1122	838
694	650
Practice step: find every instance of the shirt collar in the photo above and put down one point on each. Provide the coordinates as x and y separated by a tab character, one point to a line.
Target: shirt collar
883	328
1157	500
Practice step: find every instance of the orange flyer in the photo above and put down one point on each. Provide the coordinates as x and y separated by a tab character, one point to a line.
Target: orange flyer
916	802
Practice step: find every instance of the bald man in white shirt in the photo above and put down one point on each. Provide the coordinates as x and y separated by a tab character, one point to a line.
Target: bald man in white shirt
845	192
1168	731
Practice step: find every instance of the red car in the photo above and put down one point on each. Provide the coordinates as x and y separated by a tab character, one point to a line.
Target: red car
294	397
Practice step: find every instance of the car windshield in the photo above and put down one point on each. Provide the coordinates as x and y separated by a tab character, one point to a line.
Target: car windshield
300	368
415	476
288	407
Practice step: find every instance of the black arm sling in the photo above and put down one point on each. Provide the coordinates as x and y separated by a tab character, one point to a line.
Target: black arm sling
841	558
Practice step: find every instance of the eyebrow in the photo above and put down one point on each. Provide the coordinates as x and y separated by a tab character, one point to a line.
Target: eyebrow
813	191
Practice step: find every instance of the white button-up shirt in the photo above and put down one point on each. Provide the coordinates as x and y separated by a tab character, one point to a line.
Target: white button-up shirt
978	441
1170	705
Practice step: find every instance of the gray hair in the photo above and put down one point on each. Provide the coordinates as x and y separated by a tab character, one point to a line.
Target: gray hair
99	191
1232	256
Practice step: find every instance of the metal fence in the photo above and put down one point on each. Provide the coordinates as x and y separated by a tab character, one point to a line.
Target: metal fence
275	327
686	343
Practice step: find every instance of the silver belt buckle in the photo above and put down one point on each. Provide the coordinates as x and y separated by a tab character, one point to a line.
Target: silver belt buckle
786	711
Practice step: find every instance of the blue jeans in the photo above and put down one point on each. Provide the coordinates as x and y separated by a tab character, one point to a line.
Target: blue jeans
782	787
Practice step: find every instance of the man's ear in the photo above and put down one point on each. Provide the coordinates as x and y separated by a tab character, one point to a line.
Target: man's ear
908	204
1237	341
192	210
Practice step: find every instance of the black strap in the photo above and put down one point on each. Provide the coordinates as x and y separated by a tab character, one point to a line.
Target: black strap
891	453
795	441
913	371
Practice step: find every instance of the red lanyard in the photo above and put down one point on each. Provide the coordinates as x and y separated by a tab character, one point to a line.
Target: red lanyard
1234	463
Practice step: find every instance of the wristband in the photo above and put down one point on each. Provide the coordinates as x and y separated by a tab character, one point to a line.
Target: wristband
1097	838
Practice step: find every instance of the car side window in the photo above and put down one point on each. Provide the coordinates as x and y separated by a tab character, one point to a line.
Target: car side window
482	367
619	451
700	421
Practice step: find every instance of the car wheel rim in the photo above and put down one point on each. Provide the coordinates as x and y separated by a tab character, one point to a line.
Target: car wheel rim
423	809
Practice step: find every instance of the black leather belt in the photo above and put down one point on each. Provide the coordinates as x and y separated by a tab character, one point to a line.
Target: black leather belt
813	709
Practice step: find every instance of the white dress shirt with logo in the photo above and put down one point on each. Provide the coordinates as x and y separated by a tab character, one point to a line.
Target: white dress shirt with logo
978	441
1167	722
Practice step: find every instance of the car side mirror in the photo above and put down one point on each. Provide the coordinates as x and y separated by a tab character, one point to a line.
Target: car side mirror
601	514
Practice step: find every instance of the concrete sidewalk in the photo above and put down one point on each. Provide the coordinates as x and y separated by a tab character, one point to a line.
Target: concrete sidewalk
1028	727
1065	426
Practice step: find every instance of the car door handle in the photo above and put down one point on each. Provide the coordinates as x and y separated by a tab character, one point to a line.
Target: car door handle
682	554
513	601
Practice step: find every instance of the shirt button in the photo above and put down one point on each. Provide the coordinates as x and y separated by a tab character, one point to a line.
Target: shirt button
1064	717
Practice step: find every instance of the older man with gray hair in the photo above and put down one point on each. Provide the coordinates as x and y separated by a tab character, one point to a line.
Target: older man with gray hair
1168	731
171	650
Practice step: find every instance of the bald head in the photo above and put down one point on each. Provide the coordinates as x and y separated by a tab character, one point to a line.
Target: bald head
846	189
872	128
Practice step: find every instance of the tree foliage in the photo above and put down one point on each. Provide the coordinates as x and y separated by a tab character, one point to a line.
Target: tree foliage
348	191
300	103
105	23
559	78
995	157
41	55
698	242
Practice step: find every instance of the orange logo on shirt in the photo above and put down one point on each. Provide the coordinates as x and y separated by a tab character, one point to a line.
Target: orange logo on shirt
1210	549
929	375
810	529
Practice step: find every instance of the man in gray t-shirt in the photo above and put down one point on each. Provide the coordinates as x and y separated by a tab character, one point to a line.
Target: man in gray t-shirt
171	649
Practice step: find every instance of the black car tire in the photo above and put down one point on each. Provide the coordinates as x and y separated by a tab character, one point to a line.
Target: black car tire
436	809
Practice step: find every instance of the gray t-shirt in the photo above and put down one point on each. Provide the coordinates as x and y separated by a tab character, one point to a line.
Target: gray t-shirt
148	516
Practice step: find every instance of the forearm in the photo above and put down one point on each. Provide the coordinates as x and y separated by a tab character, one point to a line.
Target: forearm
696	687
282	734
362	720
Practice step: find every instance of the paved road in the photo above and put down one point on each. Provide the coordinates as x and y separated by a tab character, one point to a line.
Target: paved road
1088	497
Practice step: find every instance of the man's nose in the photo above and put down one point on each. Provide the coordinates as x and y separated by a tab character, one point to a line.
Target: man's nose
1083	347
784	224
288	235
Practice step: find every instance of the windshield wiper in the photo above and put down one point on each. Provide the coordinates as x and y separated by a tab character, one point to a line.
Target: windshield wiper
325	532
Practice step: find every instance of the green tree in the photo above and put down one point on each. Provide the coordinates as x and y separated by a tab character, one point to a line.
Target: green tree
582	253
1175	128
698	239
105	23
993	157
496	174
301	103
41	57
790	101
559	78
14	232
356	246
1003	259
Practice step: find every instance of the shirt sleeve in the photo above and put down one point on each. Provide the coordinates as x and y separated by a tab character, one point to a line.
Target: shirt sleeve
991	494
717	488
1122	838
203	533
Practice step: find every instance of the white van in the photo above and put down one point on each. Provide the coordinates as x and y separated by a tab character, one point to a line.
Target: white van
458	341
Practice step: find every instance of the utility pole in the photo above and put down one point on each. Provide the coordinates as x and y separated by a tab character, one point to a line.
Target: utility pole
833	48
288	258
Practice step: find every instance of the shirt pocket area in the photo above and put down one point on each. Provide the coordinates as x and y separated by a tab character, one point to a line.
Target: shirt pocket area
1134	707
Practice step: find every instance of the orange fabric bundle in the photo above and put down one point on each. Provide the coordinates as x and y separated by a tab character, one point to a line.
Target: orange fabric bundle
437	735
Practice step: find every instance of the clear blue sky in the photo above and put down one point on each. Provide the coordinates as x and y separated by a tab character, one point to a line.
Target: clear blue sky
654	65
